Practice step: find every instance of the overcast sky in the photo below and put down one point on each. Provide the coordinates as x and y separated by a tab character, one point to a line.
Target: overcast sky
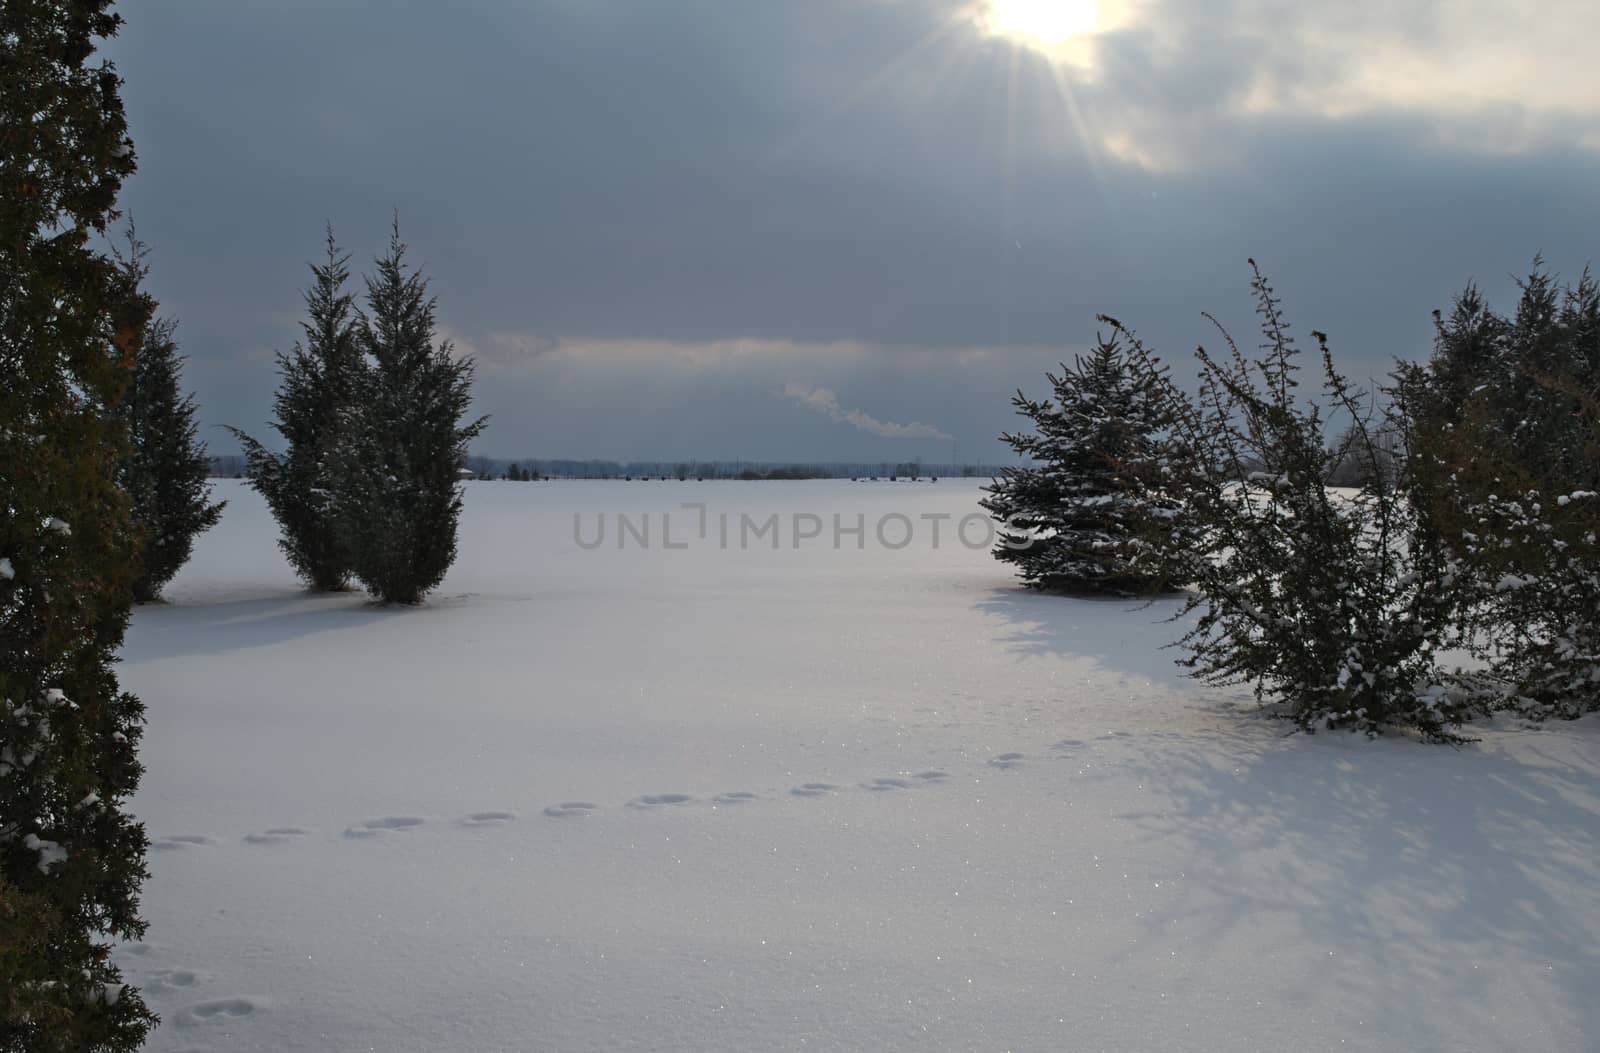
844	229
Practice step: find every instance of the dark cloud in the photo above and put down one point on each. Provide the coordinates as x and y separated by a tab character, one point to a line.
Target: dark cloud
651	178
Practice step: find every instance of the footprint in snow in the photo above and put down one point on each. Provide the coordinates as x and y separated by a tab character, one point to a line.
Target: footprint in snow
180	842
657	800
175	978
813	789
1066	745
904	782
734	797
488	818
1005	761
277	835
221	1008
380	826
569	810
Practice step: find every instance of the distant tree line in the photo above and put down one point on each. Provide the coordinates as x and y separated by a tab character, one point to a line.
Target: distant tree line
1456	511
482	467
228	466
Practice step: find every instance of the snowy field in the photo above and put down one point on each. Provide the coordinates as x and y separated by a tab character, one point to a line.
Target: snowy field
709	798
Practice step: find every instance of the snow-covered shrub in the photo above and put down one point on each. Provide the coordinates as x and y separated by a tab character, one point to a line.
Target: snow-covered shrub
1332	605
1537	564
1504	427
1087	513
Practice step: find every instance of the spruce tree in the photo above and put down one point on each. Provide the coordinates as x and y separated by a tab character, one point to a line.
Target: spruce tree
71	858
166	467
399	484
1504	435
1087	513
318	381
1519	378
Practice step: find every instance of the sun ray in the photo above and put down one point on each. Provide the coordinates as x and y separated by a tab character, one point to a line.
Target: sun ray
1088	135
1009	192
866	87
1048	61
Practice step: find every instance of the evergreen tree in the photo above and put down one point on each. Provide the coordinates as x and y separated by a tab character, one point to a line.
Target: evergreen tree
1503	424
71	859
1088	513
1519	379
166	467
318	382
399	487
1334	607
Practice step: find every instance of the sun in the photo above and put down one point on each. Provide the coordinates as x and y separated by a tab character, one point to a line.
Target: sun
1041	24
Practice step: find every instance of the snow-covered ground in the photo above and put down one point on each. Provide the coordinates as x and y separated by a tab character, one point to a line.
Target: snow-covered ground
876	798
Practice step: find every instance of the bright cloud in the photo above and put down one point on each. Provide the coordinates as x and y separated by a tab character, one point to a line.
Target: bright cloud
1169	84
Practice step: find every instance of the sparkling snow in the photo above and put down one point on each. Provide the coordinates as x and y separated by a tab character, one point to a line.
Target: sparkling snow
864	797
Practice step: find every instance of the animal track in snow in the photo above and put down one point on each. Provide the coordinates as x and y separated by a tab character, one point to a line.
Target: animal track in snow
172	978
179	842
221	1007
488	818
570	810
813	789
657	800
904	782
382	825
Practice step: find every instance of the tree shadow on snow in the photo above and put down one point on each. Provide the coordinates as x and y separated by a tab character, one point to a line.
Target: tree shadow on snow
1130	635
1441	872
179	629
